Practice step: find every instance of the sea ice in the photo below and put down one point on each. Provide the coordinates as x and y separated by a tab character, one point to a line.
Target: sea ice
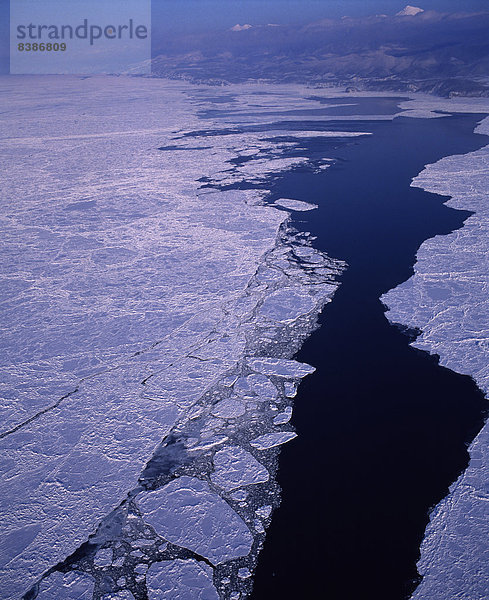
234	467
244	573
270	440
257	384
126	273
187	513
239	495
264	511
104	557
129	292
287	305
298	205
280	367
290	389
69	586
230	408
283	417
180	580
122	595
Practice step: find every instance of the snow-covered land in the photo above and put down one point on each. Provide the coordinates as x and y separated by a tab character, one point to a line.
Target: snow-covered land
147	326
448	300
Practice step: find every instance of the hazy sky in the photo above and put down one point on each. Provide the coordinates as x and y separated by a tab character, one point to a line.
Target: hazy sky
206	14
196	15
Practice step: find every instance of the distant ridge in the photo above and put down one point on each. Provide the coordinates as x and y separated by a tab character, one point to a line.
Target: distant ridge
445	54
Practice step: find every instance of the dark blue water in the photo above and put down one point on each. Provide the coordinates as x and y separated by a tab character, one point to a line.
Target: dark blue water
382	428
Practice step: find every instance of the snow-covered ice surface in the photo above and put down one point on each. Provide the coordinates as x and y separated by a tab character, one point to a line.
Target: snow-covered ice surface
148	326
186	579
71	586
448	300
187	513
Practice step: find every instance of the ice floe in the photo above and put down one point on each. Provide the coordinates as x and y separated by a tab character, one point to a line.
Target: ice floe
298	205
229	408
280	367
180	580
234	468
270	440
122	595
264	511
186	512
283	417
104	557
286	305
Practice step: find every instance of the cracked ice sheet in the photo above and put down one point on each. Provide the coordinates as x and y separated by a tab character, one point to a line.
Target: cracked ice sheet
448	299
93	250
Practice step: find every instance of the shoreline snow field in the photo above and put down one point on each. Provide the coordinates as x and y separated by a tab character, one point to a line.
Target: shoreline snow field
447	300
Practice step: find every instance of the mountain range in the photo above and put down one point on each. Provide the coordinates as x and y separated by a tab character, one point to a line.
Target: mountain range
415	50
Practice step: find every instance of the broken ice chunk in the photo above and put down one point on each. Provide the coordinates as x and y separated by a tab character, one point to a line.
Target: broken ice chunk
234	467
262	386
298	205
239	495
104	557
264	511
287	305
207	445
180	580
142	542
244	573
229	408
290	389
188	514
269	440
141	568
122	595
258	525
69	586
281	367
283	417
248	387
119	562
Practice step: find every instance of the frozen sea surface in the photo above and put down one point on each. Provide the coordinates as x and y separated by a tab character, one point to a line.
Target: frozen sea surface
147	330
448	300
